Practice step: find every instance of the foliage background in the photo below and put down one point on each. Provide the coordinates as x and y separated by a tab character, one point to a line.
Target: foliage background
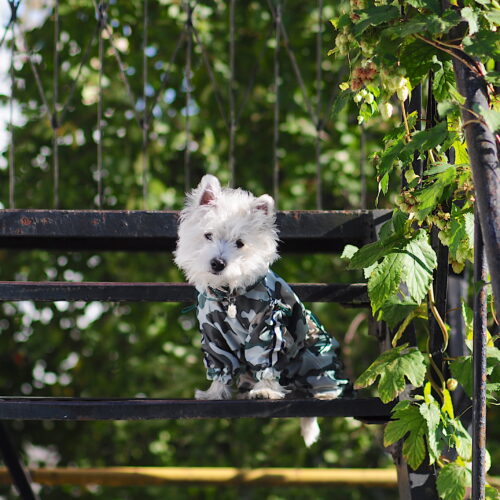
123	350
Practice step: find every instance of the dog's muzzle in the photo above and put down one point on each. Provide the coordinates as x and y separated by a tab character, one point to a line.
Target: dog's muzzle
217	265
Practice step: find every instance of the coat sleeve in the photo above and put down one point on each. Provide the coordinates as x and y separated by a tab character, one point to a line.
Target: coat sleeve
279	336
220	362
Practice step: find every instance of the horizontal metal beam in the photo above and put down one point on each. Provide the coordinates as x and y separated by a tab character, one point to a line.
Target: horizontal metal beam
299	231
15	408
49	291
149	476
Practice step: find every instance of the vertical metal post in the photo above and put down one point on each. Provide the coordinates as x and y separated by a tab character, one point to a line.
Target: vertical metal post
276	131
187	83
479	367
55	118
12	171
20	476
232	110
362	165
145	119
319	124
100	20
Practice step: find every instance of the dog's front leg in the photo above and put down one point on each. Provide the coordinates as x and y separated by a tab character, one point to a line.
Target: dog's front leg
217	390
268	389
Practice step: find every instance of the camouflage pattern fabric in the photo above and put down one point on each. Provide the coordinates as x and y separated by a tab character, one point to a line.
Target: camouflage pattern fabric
272	335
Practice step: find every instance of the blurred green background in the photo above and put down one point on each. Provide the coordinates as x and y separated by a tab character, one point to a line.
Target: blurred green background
152	350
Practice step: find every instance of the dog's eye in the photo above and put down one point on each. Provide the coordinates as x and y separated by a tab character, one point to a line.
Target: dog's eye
208	236
239	244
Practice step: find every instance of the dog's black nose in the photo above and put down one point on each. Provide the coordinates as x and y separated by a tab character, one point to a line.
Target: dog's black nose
217	264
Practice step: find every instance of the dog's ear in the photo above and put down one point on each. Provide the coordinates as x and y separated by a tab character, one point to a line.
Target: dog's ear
265	204
208	189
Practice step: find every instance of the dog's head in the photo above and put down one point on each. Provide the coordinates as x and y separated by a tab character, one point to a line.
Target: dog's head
227	237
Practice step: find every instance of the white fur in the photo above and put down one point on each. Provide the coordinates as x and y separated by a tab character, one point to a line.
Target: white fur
217	390
267	389
309	429
228	215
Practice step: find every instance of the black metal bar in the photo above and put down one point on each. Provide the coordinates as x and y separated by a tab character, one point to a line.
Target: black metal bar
479	368
309	231
440	286
14	408
484	158
49	291
20	476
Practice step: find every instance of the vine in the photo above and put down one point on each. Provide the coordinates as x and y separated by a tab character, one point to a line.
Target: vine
392	47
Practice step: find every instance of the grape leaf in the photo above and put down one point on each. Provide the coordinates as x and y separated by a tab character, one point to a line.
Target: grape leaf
385	279
483	44
375	16
461	369
393	367
444	81
492	119
472	20
462	230
433	5
408	421
396	310
419	266
432	415
429	196
452	481
373	252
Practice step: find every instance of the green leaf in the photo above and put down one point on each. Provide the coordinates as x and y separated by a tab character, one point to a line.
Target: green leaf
483	44
461	369
420	264
394	367
396	310
349	251
341	99
417	56
493	77
491	493
375	16
390	155
428	139
462	230
371	253
408	421
462	440
493	16
471	17
430	196
433	5
452	481
444	81
492	119
385	279
432	416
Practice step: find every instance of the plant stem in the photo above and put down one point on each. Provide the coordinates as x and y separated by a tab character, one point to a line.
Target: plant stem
439	320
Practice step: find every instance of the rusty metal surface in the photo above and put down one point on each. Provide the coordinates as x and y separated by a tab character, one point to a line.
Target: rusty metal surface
352	294
479	370
484	157
300	231
13	408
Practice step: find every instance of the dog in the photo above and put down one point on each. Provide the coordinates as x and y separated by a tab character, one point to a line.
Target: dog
256	334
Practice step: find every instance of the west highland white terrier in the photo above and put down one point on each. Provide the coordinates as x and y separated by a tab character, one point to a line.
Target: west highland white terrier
256	333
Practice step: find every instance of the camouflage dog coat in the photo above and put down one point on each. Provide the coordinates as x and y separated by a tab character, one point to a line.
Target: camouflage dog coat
265	332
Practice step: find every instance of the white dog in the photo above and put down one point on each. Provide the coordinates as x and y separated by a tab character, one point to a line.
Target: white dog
255	331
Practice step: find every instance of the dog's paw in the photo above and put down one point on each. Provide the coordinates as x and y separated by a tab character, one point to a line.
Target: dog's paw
217	390
328	395
267	389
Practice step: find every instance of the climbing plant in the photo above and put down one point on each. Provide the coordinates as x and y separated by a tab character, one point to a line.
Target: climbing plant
393	47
